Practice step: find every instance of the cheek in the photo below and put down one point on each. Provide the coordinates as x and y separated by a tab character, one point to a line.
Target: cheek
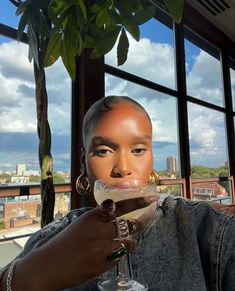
97	168
145	166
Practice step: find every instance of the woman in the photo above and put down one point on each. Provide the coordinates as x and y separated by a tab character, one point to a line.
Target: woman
182	246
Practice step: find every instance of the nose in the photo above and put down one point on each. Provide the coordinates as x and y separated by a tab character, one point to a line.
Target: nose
122	167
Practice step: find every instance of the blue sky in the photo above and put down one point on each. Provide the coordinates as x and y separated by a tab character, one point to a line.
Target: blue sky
7	13
152	58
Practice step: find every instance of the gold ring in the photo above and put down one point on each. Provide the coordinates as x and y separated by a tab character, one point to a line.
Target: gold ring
117	253
122	228
135	225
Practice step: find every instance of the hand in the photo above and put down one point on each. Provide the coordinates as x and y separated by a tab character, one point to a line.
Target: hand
78	253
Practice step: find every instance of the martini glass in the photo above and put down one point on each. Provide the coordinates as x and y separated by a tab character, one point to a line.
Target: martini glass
121	191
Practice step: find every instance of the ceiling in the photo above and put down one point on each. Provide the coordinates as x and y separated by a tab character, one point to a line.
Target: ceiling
221	13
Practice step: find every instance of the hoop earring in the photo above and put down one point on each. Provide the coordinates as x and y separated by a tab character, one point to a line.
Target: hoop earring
82	185
154	177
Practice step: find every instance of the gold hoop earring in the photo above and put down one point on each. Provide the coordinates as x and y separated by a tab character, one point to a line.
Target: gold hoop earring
82	185
154	177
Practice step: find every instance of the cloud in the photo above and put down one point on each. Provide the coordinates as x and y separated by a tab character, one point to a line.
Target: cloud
149	60
14	62
17	100
204	80
24	149
26	90
153	61
207	136
207	131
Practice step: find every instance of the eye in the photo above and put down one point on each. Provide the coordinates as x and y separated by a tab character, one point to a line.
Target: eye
139	151
102	152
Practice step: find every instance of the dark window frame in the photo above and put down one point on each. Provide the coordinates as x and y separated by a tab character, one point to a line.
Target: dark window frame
83	95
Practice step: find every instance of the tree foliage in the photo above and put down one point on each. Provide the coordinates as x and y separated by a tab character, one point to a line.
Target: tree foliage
71	26
198	171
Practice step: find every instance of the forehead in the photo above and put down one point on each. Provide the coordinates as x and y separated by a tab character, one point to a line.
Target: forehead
124	119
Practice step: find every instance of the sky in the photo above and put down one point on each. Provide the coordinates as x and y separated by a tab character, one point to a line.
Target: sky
151	58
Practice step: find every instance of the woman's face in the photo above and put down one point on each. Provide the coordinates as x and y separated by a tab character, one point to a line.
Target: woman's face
119	145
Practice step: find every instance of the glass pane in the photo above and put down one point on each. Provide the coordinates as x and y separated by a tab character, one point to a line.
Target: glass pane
232	76
213	191
18	125
166	190
203	70
62	205
7	14
207	137
162	111
152	57
21	216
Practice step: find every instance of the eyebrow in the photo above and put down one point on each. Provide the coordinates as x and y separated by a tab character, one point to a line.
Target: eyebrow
143	138
99	140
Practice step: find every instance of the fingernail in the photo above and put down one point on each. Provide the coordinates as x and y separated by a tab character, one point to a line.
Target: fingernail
151	198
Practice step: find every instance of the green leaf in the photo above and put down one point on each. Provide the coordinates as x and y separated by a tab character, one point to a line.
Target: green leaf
142	16
71	46
38	22
114	16
23	22
70	64
175	7
106	43
134	31
53	49
43	3
130	25
122	48
46	166
128	5
96	32
88	42
22	8
33	46
83	8
108	18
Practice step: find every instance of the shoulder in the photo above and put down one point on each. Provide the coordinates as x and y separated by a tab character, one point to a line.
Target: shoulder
197	214
172	203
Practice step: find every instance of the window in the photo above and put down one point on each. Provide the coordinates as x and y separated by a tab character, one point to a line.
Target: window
162	111
18	124
151	58
207	136
203	69
232	77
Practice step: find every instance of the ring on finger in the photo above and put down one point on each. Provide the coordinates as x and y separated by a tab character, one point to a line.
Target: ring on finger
117	253
122	228
135	225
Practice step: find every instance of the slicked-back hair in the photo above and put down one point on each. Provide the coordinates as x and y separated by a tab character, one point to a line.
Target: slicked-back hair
103	105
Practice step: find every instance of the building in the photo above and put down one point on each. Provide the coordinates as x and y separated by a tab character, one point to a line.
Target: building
171	164
209	191
16	214
20	168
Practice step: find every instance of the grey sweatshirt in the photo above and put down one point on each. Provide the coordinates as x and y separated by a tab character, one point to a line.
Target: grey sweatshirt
187	246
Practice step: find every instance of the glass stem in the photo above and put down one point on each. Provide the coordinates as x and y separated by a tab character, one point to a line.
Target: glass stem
124	266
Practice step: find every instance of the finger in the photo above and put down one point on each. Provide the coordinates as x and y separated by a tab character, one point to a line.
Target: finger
118	249
128	205
129	244
107	210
